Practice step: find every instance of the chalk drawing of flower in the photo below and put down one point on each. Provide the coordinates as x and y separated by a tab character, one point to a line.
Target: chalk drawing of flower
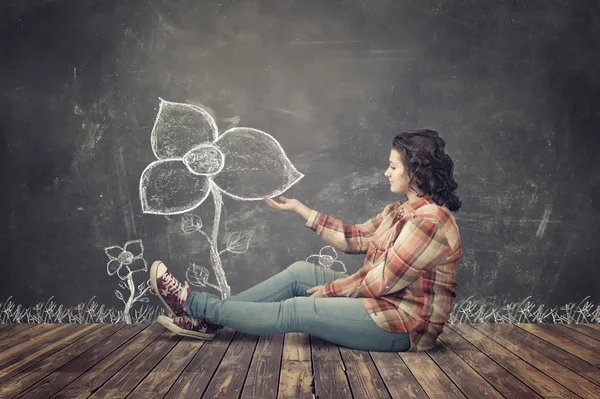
193	160
124	262
327	257
127	259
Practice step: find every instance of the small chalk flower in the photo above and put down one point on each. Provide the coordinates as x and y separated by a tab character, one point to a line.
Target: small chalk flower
327	257
126	260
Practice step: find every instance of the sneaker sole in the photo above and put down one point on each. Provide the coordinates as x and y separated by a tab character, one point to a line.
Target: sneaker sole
153	271
169	325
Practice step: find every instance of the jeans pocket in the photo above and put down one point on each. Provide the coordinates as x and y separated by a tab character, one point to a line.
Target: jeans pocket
400	344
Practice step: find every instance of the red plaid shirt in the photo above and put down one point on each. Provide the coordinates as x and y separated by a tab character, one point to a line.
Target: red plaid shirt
407	279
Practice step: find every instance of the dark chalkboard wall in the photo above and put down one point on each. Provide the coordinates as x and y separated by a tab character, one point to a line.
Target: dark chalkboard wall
513	87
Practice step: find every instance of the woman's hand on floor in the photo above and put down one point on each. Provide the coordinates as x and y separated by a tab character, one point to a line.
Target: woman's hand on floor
317	292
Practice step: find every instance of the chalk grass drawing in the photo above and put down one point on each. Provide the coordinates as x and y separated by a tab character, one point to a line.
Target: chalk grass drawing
124	262
525	311
465	311
83	313
327	257
195	161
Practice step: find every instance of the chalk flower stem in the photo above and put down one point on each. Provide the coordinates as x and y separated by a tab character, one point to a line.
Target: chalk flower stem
215	257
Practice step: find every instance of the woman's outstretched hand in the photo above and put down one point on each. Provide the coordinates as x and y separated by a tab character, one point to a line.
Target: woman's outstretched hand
285	204
289	205
317	292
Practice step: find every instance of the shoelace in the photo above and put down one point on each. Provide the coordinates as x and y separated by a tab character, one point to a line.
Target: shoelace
176	286
193	321
190	320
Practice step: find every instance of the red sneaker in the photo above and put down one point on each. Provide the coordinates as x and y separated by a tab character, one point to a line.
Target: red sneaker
188	327
170	291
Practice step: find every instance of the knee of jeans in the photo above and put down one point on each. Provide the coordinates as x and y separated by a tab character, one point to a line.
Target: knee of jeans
296	310
299	266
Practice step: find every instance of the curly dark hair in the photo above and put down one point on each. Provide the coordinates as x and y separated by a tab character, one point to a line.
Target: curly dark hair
429	167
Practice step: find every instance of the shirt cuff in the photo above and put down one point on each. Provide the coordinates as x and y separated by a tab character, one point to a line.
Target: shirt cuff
329	290
315	221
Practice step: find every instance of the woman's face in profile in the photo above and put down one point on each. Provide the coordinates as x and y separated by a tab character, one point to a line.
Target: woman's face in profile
396	174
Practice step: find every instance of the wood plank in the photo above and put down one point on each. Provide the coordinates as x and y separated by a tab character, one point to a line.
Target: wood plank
195	377
61	356
296	381
576	336
568	360
540	382
585	329
34	332
125	380
364	378
164	375
595	326
103	370
433	380
462	375
558	372
5	327
63	376
32	375
14	354
263	377
507	384
8	330
398	379
330	379
562	342
28	360
231	373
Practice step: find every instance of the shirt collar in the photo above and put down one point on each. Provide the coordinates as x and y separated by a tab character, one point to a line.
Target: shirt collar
408	208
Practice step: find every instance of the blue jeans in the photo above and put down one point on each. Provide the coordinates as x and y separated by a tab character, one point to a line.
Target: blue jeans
281	304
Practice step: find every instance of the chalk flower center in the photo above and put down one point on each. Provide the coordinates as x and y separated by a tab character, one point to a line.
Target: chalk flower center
125	258
326	260
205	159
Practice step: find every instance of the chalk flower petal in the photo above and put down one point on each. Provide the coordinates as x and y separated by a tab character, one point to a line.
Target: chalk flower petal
328	251
344	270
255	165
168	188
138	265
113	266
180	127
113	252
135	247
123	272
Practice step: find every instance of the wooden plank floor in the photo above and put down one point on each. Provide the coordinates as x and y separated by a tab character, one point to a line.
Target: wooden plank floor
147	361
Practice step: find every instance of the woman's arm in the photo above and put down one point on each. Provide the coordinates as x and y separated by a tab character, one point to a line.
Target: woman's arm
344	237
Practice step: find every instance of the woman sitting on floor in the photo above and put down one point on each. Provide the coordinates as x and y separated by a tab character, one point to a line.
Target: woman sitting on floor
398	301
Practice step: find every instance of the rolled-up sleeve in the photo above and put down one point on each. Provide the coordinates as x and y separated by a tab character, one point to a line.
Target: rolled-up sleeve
347	238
